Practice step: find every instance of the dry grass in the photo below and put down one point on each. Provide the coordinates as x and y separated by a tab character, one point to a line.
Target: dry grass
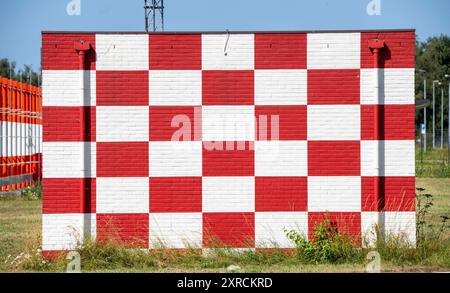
20	226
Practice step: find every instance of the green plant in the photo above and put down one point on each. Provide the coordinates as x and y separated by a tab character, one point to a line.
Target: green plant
326	246
33	192
429	236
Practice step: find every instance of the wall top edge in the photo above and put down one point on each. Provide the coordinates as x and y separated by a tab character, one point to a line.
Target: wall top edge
231	32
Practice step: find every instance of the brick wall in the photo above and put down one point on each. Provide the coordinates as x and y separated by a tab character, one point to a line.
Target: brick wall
193	139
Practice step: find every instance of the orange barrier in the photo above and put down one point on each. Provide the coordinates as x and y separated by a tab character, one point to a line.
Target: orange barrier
21	134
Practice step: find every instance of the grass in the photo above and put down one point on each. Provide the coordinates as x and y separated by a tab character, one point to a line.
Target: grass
20	226
432	164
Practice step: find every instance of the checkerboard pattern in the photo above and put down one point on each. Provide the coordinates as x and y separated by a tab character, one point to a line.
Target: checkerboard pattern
200	139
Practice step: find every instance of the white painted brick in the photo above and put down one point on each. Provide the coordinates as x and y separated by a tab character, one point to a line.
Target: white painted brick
228	194
62	231
228	123
122	52
175	158
334	194
401	224
396	86
281	158
63	88
175	230
281	87
175	87
334	50
369	224
122	195
395	158
240	53
334	122
270	228
65	160
122	123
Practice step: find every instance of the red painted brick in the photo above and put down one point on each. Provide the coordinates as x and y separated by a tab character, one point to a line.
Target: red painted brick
234	159
333	86
396	194
68	195
67	123
122	88
228	87
128	229
122	159
281	194
176	52
175	195
280	51
291	122
229	229
58	51
396	122
398	53
334	158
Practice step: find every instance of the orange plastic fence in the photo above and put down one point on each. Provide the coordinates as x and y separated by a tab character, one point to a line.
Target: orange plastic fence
21	134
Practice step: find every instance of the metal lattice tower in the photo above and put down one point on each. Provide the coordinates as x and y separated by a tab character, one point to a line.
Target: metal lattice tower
156	11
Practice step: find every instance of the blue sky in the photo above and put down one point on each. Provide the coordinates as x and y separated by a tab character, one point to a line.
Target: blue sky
22	20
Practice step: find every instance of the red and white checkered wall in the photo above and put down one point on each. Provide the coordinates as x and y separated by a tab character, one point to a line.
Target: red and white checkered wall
276	130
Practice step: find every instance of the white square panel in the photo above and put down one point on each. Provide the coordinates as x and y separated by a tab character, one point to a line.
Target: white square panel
369	226
175	158
228	52
122	195
69	160
396	86
62	231
281	158
387	158
122	123
63	88
270	228
122	52
228	123
175	87
281	87
401	224
334	122
334	50
228	194
334	194
175	230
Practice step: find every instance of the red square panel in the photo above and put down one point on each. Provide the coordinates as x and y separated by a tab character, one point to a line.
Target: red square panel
231	159
229	229
122	88
281	194
122	159
228	87
334	158
398	51
68	123
58	51
179	123
175	52
395	194
68	195
281	122
129	229
175	195
333	86
280	51
346	223
395	122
